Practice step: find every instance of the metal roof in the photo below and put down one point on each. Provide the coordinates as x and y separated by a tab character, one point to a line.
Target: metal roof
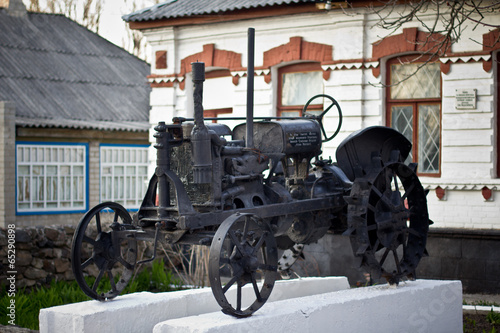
182	8
59	74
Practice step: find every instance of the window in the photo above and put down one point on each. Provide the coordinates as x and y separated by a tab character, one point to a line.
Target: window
124	174
51	178
214	113
414	108
297	84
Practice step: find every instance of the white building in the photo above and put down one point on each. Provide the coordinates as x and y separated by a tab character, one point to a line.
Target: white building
303	48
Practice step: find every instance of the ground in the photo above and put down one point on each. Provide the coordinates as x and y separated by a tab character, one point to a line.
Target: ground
477	322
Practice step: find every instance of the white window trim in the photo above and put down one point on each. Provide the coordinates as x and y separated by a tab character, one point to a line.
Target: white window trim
45	202
130	202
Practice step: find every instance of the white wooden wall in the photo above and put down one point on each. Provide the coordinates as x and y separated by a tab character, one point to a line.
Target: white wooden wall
468	136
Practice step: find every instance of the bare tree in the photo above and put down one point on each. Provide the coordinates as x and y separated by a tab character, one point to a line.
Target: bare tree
444	21
88	14
34	6
92	11
135	38
450	18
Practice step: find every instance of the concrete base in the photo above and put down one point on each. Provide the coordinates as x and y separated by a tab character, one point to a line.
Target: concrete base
140	312
417	306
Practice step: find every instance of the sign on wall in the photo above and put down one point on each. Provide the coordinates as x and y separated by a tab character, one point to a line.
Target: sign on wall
465	99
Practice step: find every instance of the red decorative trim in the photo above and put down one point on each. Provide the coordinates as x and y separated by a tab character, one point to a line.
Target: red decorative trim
212	57
411	40
217	73
487	193
161	59
345	61
297	49
440	192
326	74
236	80
487	65
267	78
445	67
491	40
161	76
162	84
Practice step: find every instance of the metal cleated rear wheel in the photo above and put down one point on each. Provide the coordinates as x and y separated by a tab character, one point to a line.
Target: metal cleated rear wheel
103	254
243	252
388	220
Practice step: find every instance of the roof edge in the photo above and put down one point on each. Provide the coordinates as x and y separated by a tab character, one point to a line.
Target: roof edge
227	16
127	126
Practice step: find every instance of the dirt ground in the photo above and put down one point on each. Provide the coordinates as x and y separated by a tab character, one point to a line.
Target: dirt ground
477	322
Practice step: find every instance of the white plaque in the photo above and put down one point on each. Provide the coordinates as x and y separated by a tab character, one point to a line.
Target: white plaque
465	99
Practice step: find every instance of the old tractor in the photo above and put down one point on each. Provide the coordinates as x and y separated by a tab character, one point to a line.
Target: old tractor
256	194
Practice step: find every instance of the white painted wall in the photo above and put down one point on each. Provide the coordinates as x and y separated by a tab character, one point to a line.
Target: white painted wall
468	136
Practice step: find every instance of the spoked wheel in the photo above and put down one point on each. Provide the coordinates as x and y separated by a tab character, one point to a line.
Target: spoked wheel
243	251
103	254
388	213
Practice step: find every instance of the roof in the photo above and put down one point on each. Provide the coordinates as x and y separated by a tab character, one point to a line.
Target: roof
60	74
183	8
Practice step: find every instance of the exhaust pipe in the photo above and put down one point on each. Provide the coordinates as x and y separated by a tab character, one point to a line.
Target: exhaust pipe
250	87
200	136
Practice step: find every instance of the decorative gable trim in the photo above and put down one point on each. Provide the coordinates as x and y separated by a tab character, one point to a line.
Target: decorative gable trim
491	42
298	49
212	57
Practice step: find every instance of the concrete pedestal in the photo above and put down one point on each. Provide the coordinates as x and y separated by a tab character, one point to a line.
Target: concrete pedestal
417	306
304	305
140	312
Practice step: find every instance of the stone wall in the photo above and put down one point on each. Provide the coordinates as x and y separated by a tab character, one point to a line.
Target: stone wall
42	254
471	256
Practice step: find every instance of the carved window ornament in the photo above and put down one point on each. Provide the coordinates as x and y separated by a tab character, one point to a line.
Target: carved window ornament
299	50
412	40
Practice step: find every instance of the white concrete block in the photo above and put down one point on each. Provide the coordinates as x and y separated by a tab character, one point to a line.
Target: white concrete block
417	306
140	312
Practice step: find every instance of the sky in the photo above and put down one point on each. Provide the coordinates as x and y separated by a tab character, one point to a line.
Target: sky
112	26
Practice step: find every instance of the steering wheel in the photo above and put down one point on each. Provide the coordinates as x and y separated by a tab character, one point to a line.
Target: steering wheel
320	117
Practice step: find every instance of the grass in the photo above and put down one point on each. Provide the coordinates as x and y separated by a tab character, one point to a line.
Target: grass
29	301
481	323
480	303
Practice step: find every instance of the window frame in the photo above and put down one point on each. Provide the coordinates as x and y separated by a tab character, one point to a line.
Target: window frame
215	113
389	103
302	67
59	209
146	177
